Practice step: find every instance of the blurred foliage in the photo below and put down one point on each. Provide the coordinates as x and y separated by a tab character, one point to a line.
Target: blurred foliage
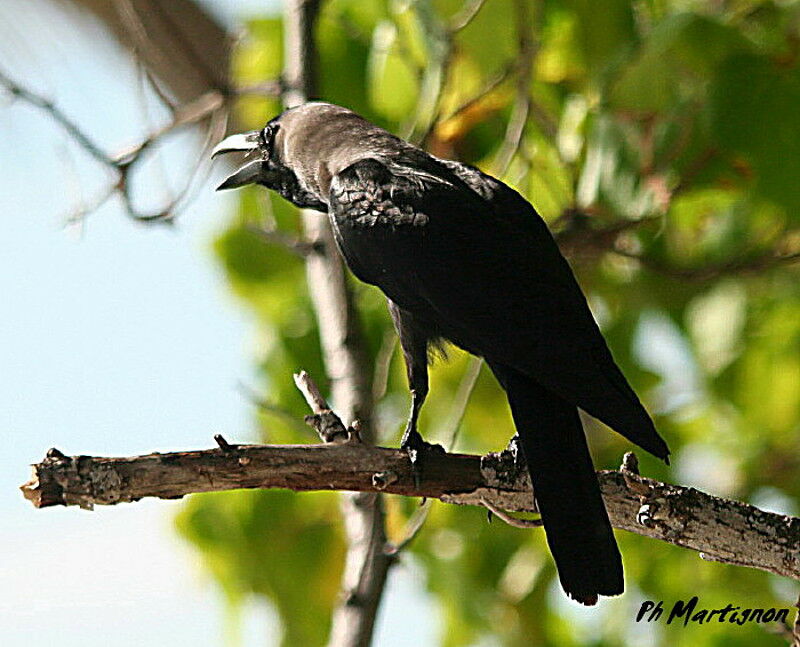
673	122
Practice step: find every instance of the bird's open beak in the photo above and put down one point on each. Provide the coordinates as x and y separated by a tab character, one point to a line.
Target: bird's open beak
247	174
242	143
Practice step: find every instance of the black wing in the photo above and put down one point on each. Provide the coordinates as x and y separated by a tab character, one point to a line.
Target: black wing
469	254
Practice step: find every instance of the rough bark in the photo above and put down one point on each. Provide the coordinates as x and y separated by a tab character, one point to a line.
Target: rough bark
720	529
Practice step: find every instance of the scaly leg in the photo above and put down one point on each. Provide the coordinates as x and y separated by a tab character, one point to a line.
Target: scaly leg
411	436
413	443
414	337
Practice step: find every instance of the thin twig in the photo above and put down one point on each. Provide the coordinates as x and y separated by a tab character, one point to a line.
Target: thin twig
515	129
414	526
578	238
143	47
383	362
461	398
155	85
79	214
440	64
198	110
270	407
507	518
491	85
168	212
201	168
732	267
72	178
208	106
328	425
163	176
224	445
465	15
313	396
72	129
298	247
431	82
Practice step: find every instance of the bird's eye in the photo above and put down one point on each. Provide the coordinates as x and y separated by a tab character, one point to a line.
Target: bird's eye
267	138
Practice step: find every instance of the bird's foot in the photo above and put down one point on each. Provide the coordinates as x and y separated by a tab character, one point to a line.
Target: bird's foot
514	449
416	448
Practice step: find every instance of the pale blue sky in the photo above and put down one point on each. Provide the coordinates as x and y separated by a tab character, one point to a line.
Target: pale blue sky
115	340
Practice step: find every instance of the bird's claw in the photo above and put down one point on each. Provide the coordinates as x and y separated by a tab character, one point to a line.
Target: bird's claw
417	448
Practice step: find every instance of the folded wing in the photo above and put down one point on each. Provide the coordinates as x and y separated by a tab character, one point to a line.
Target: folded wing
468	253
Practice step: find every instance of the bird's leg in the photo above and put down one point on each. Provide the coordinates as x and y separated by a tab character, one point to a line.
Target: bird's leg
411	436
513	455
415	335
413	443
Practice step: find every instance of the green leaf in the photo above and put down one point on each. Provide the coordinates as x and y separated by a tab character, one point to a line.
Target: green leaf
490	39
604	33
345	55
754	114
674	63
258	542
393	84
256	59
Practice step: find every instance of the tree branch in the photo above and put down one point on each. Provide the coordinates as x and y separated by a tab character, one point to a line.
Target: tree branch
179	42
177	45
515	129
344	353
465	15
733	267
209	106
18	91
720	529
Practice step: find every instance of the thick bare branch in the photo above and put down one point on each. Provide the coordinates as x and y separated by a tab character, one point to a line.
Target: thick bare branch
720	529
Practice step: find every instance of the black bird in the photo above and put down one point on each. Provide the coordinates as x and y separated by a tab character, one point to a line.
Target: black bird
464	258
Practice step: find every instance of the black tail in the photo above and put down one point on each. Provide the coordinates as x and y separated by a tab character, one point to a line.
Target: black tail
565	486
